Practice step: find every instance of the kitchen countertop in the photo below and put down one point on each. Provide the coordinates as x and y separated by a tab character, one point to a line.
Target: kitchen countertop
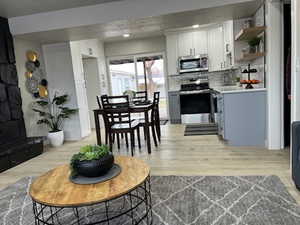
223	90
236	89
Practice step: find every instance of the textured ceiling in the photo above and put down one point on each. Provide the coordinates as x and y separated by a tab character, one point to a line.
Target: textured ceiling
146	27
13	8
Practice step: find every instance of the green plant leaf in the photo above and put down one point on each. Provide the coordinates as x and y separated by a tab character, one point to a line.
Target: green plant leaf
42	103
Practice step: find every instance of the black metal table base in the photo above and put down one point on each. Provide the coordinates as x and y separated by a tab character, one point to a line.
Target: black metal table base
132	208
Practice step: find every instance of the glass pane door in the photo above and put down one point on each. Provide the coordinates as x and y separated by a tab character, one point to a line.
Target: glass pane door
139	73
150	73
122	75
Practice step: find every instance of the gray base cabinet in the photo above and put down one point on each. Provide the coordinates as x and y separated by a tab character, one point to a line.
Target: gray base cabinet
242	118
174	107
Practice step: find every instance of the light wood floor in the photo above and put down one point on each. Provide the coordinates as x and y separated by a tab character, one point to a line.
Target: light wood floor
176	155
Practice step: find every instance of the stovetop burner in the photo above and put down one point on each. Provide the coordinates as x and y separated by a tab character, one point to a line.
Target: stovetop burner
194	86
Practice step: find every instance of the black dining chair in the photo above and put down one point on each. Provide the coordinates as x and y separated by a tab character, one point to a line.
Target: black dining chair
105	124
154	119
140	96
117	115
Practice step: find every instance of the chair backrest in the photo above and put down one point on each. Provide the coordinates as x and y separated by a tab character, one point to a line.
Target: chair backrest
155	106
141	96
116	110
99	101
156	98
114	101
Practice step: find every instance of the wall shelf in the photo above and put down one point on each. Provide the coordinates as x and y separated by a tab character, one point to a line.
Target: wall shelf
248	33
251	56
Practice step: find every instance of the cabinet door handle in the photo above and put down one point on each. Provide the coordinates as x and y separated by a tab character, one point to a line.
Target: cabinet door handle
191	51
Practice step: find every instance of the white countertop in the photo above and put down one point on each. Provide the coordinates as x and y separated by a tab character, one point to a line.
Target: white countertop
226	89
236	89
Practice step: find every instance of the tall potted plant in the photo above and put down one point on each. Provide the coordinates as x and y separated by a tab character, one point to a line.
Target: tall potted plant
53	113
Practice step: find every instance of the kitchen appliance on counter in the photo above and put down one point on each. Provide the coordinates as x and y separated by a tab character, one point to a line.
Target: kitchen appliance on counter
191	64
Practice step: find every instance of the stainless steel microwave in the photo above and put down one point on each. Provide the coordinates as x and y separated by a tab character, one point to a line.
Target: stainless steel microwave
196	63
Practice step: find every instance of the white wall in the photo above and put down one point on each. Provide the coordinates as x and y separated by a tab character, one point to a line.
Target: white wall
136	46
274	75
59	69
80	49
21	47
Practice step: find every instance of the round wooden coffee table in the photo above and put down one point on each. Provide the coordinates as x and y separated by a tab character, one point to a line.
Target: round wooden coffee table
123	199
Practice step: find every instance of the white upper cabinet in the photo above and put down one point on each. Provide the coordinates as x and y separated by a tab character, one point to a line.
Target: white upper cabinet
217	41
200	42
192	43
172	53
215	48
185	44
228	43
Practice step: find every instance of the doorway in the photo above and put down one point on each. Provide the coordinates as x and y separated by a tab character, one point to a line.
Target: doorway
139	73
287	72
92	85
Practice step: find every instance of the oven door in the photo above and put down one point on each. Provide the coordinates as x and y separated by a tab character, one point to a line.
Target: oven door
195	108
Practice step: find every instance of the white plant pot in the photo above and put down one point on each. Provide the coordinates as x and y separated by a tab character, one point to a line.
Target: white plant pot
56	138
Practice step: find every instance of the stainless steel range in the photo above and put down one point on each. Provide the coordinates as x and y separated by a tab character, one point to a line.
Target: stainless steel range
196	102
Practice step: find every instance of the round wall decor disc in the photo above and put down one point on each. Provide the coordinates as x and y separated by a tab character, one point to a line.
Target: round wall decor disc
37	63
43	91
30	66
28	74
31	56
32	85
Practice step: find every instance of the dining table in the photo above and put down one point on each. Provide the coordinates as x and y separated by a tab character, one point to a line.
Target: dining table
134	108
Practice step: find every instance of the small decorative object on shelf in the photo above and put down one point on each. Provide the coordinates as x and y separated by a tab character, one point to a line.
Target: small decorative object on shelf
249	82
53	113
254	44
248	23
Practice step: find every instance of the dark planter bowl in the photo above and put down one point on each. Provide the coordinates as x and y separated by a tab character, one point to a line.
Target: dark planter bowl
94	168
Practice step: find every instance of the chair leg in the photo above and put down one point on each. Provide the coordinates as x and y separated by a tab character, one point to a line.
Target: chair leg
153	134
139	137
157	127
132	142
144	133
126	140
118	140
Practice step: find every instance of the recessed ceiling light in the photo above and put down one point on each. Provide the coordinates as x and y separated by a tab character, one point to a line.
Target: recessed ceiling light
196	26
126	35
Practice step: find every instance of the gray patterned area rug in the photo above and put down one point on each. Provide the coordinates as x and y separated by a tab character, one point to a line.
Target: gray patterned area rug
193	200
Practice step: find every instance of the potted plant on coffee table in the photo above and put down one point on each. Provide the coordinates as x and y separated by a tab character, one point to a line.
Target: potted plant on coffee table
53	113
92	161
